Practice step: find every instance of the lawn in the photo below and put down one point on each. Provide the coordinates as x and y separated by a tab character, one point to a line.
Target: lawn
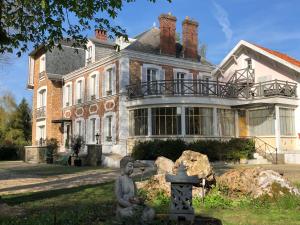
94	205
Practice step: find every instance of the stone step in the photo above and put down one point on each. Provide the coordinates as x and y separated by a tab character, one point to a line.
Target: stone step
258	161
111	160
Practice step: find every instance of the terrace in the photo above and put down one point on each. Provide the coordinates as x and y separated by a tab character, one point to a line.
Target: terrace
205	88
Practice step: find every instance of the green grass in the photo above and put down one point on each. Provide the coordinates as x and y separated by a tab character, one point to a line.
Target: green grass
46	170
95	205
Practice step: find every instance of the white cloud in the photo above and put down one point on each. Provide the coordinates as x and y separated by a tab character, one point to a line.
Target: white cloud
221	16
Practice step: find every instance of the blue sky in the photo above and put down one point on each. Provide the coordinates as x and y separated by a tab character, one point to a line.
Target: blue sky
273	24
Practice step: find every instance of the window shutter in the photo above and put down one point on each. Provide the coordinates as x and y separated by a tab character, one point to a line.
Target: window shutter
161	78
105	127
88	132
97	128
70	95
83	90
97	86
77	91
189	77
144	74
114	83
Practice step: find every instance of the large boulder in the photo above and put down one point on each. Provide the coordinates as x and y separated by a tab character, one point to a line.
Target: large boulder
164	165
197	164
255	182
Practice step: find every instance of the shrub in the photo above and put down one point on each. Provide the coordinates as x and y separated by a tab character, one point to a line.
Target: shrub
10	152
231	150
150	150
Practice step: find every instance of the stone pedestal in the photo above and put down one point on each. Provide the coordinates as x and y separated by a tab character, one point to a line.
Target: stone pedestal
35	154
94	155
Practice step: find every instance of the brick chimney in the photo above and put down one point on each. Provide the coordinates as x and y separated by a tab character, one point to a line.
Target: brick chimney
167	26
101	34
190	38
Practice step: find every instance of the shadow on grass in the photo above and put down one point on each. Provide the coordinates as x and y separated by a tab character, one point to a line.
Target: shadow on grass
36	196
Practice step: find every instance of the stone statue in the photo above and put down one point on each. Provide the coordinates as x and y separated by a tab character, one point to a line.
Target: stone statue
128	203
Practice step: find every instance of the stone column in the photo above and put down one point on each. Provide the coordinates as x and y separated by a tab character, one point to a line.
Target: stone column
183	132
277	128
149	122
215	122
236	123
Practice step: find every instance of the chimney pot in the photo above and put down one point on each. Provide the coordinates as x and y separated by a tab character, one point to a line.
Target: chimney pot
101	34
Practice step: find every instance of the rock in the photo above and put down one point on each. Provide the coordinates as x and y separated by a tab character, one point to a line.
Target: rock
158	183
255	182
164	165
196	164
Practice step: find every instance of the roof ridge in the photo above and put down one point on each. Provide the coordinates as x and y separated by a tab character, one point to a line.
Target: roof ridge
280	55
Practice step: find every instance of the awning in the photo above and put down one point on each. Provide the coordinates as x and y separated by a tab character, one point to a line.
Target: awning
61	121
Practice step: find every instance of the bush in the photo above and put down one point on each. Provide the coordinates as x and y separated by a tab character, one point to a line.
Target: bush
231	150
10	152
150	150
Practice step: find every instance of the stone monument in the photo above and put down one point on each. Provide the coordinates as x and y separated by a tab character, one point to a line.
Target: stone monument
128	204
181	195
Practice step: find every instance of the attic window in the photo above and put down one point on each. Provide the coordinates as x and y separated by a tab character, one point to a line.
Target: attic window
249	63
89	54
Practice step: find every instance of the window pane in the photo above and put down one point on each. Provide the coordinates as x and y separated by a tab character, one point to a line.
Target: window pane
287	122
226	122
198	121
139	122
165	121
261	122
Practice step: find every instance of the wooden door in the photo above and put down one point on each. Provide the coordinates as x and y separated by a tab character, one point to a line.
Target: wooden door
243	129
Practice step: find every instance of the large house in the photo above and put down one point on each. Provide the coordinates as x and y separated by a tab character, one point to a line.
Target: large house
153	86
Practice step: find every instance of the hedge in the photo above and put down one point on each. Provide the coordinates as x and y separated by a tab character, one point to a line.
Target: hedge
10	152
231	150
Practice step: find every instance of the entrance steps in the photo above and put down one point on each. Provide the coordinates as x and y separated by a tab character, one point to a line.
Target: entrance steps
258	159
111	160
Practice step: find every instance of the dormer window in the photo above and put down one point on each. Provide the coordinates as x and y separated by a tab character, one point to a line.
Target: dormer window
89	54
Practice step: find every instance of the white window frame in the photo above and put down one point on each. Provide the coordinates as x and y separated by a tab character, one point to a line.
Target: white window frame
79	93
179	83
159	76
91	138
106	132
38	103
105	80
82	131
30	70
89	53
38	125
93	88
42	63
67	94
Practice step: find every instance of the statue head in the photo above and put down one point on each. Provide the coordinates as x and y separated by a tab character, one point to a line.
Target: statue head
126	165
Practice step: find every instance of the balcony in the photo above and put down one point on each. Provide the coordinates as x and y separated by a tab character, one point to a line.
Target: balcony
40	112
212	89
42	75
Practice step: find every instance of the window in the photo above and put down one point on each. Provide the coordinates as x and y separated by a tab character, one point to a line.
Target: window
42	63
287	121
109	81
138	122
89	54
42	132
93	129
249	64
42	98
79	91
93	86
165	121
151	74
199	121
79	127
226	124
109	128
68	95
179	82
261	122
205	85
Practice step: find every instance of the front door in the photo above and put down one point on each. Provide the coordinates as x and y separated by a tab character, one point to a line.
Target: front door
243	128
